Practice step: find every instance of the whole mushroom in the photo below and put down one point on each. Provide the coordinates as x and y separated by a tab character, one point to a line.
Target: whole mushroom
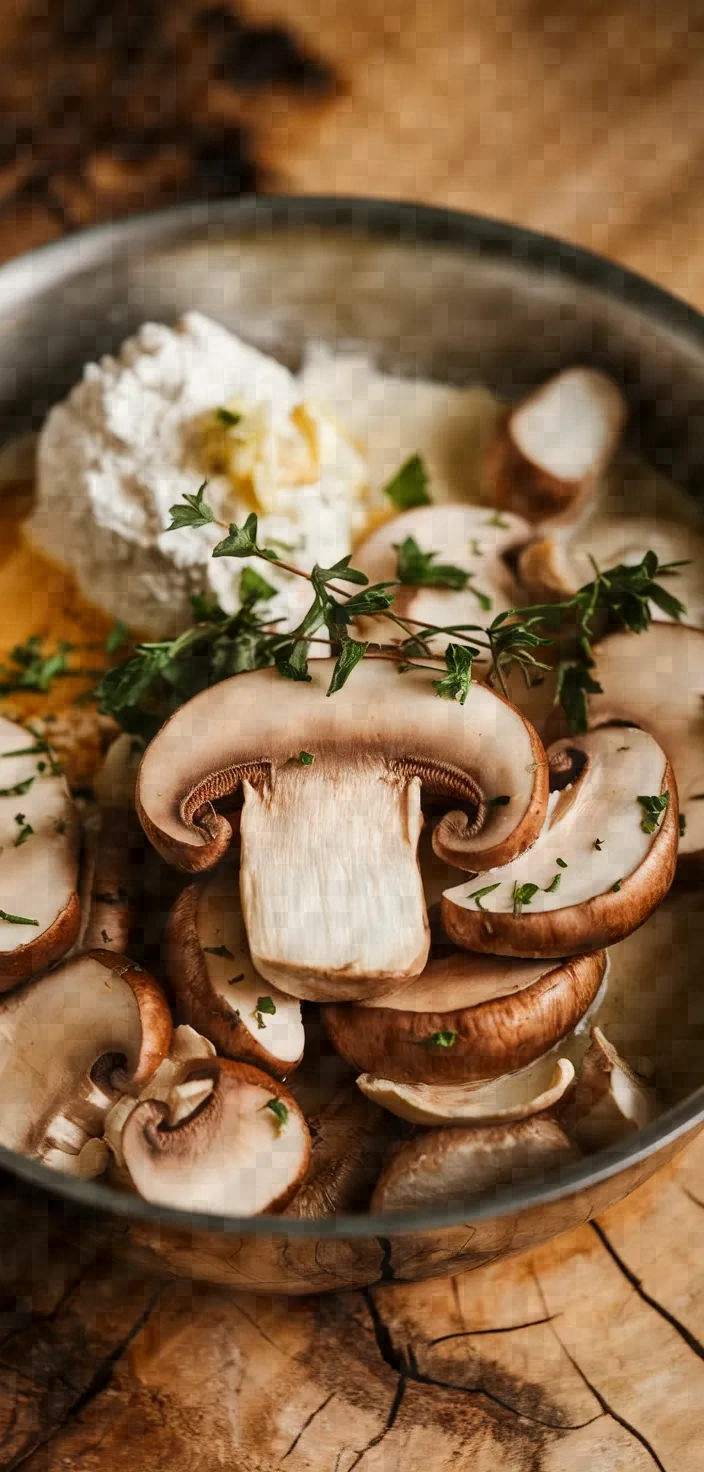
332	811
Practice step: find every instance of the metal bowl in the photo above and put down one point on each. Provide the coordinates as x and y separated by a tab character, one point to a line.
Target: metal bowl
430	292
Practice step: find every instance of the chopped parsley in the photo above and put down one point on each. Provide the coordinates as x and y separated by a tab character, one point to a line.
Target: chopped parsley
279	1111
616	887
445	1039
499	802
306	758
234	979
653	809
227	417
561	864
219	951
553	885
523	894
498	520
26	830
409	487
598	844
117	638
16	919
478	894
19	788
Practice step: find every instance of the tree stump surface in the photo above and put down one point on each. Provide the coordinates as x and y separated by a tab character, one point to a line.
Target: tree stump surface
584	1356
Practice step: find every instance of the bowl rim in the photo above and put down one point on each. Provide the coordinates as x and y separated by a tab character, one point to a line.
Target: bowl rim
27	276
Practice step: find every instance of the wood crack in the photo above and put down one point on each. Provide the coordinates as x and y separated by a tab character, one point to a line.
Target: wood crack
308	1422
390	1421
607	1409
689	1339
504	1329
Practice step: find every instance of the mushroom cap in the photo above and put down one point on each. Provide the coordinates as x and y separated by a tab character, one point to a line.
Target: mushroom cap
233	733
465	536
446	1167
656	681
503	1014
218	993
72	1041
548	450
38	872
608	1101
232	1156
602	893
515	1096
351	1137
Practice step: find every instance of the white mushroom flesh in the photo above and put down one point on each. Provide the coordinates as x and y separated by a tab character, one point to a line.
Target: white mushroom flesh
657	680
38	839
609	1100
516	1096
595	827
311	908
170	1085
235	1156
469	537
278	1025
567	426
52	1033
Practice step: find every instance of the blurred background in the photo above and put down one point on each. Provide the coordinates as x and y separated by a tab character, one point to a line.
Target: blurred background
584	120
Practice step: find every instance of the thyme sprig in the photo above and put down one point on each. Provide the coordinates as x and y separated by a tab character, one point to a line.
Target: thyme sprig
159	676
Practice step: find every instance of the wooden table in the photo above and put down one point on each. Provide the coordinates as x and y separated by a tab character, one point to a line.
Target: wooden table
586	1356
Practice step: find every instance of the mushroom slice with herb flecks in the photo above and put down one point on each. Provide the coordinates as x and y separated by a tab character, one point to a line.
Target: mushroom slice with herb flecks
218	989
656	681
442	1168
609	1100
71	1044
548	451
244	1150
331	889
467	1018
39	903
452	565
603	862
535	1090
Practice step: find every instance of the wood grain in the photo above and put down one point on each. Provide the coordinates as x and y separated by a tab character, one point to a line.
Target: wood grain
585	1356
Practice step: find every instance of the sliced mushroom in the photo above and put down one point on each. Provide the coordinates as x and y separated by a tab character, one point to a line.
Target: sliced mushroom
548	451
39	903
171	1084
70	1044
327	833
351	1137
218	989
110	836
609	1100
446	1167
603	862
546	571
468	537
244	1150
656	680
516	1096
467	1018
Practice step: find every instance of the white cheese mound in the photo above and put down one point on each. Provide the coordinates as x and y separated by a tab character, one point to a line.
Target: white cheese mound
128	442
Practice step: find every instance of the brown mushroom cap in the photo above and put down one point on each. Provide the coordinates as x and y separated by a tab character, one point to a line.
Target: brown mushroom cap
351	1137
534	1090
110	829
613	874
94	1028
548	450
446	1167
468	537
306	827
501	1016
234	1155
39	844
656	681
217	987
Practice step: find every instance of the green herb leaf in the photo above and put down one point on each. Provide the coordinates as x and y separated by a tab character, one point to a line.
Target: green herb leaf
653	809
554	885
574	683
561	864
233	980
16	919
499	802
254	588
241	541
409	487
193	511
26	830
418	569
616	887
347	660
227	417
444	1039
31	669
455	684
219	951
523	894
306	758
598	844
498	520
478	894
117	638
279	1110
19	788
265	1004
